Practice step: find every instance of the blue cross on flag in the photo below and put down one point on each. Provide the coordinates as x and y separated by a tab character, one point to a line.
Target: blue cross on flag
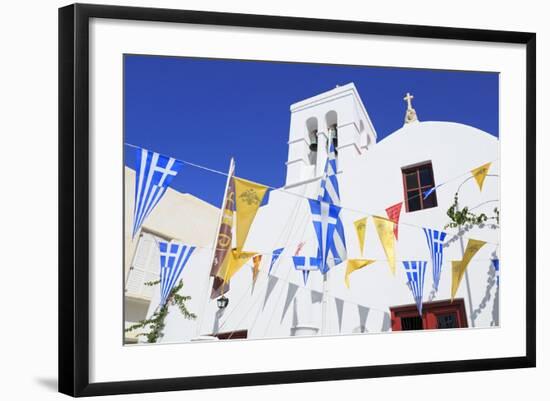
325	217
330	193
435	244
154	172
306	264
173	258
415	271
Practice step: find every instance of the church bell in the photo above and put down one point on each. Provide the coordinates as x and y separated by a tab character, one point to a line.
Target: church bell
313	144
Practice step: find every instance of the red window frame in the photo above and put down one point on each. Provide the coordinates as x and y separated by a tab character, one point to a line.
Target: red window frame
420	189
430	313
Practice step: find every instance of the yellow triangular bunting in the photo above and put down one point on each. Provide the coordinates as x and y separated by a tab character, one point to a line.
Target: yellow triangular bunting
384	228
480	173
361	229
236	261
459	266
355	264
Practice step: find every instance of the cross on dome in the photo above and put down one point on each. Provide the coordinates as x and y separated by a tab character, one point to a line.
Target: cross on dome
408	98
410	114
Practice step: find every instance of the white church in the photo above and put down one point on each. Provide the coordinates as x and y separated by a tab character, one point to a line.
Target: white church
372	175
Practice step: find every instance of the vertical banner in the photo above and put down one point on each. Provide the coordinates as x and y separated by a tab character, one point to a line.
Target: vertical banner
393	213
384	228
329	192
361	230
248	197
480	173
355	264
222	252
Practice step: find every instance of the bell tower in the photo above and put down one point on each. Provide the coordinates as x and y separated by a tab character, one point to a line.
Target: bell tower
336	116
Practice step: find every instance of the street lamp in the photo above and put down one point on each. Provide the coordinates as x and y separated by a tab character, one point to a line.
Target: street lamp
222	302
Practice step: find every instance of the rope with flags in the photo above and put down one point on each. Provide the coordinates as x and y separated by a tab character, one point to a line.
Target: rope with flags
153	176
282	190
155	172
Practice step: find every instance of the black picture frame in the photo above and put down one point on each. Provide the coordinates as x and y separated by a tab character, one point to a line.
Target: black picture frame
74	193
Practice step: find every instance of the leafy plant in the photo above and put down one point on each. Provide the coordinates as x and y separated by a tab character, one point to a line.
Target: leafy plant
460	217
156	323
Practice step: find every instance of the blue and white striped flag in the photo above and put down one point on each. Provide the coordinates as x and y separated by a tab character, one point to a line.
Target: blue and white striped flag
325	217
275	256
173	258
306	264
496	266
330	193
435	243
415	275
154	172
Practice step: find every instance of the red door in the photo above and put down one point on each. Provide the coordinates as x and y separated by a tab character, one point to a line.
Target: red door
435	315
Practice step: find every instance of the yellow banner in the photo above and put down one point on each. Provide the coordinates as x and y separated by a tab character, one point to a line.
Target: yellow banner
459	266
384	228
236	261
480	173
256	260
361	229
248	197
356	264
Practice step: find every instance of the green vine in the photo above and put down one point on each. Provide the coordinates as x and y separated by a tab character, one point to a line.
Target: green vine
156	323
460	217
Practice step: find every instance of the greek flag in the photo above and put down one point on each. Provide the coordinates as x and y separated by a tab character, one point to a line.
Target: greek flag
496	265
154	173
435	243
276	253
173	258
415	275
325	218
330	193
305	265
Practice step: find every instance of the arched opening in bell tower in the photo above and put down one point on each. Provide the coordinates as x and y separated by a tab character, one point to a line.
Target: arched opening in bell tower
312	127
332	124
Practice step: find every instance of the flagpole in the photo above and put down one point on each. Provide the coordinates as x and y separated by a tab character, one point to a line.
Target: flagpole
324	304
211	279
468	290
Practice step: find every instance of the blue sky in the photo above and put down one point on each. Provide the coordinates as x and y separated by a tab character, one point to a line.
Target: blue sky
207	110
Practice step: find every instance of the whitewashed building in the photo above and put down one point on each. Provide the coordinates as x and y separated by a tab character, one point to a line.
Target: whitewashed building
373	175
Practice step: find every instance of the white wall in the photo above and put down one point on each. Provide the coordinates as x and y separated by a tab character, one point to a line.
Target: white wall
28	125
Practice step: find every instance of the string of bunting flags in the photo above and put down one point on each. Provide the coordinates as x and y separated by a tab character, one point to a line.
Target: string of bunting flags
155	172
